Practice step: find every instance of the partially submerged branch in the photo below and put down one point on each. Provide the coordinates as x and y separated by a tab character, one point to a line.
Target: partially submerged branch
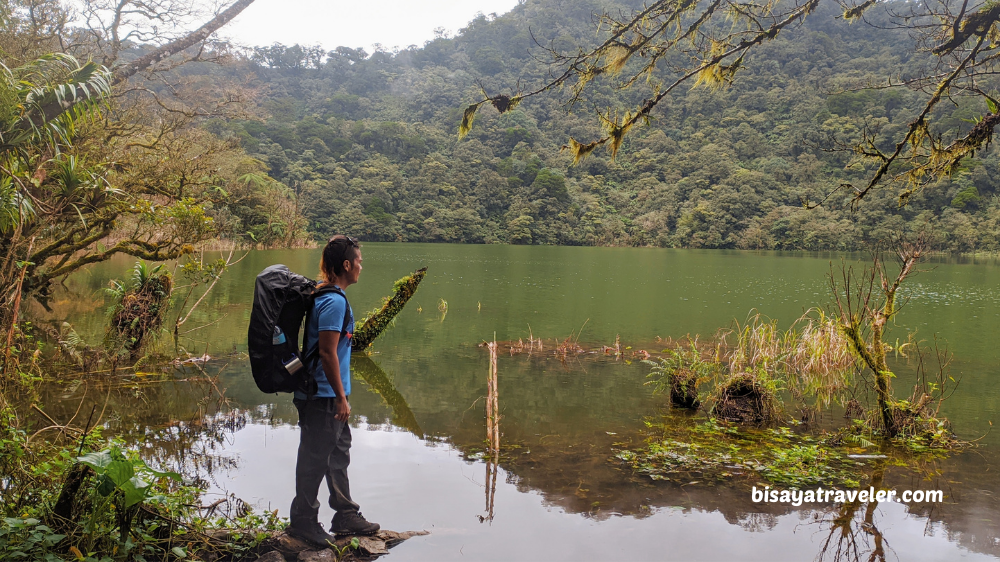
376	322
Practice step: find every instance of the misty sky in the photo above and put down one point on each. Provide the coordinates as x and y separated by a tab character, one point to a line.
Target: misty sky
353	23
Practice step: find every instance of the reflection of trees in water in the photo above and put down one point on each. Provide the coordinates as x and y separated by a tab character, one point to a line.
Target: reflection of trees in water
182	418
852	533
194	448
757	522
184	422
179	420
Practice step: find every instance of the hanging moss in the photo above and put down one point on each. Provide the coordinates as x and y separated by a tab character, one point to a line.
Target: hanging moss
376	322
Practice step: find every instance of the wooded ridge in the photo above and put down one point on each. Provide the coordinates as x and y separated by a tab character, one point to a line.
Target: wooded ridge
369	143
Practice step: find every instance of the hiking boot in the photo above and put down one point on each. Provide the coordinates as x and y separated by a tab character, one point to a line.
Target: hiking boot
352	523
313	534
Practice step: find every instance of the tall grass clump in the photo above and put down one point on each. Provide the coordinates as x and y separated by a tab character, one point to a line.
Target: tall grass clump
821	364
749	365
812	359
679	373
747	390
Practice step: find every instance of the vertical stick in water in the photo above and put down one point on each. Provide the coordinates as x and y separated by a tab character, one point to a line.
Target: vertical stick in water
492	409
492	431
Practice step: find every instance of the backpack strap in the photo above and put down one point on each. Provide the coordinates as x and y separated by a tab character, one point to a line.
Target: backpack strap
312	356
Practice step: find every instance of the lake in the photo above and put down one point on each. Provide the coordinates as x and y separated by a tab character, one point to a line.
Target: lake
559	494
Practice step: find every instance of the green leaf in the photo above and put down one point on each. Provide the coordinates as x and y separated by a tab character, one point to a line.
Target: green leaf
991	105
106	487
355	543
133	494
52	539
97	461
166	474
120	472
179	552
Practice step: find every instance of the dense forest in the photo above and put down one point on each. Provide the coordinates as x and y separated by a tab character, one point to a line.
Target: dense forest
368	142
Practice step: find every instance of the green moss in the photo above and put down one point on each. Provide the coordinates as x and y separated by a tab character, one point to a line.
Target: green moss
712	450
378	320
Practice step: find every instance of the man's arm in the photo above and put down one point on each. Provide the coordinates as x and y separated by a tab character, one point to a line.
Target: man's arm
328	341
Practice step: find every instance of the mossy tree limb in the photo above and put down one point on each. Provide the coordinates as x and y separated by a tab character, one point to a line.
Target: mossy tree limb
860	312
376	322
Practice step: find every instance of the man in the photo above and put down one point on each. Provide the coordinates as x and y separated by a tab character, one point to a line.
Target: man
325	439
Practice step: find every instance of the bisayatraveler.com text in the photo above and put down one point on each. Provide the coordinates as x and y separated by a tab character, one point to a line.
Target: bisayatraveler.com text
836	495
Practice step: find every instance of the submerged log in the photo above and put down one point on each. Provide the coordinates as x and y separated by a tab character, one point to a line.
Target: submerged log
376	322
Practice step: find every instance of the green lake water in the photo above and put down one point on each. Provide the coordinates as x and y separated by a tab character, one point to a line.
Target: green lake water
560	494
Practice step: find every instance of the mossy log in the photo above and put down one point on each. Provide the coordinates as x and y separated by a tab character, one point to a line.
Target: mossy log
376	322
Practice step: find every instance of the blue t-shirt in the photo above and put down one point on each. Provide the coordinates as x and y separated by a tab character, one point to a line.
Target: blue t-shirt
328	316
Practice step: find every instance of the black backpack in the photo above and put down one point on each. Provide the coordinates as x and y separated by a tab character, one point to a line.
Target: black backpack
283	299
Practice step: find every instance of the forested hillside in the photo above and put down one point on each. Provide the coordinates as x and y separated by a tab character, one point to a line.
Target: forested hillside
369	143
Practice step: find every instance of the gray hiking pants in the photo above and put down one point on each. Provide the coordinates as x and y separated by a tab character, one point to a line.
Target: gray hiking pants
324	452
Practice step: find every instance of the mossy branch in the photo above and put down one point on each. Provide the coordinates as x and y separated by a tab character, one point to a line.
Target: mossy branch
376	322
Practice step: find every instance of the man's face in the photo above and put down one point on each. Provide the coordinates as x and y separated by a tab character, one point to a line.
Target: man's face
355	270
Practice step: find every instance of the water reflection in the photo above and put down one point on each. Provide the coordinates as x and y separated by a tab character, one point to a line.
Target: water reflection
178	416
853	534
249	451
377	380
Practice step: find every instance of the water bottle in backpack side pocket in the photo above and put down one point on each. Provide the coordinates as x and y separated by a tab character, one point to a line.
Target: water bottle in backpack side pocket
288	358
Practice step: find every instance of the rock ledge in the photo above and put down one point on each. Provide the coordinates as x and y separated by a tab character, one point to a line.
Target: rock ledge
284	548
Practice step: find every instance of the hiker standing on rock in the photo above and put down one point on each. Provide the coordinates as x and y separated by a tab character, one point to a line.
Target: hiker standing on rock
325	439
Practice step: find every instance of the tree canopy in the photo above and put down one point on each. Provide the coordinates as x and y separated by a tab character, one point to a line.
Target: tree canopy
110	157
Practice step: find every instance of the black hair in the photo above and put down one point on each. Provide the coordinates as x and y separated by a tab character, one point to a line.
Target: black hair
338	249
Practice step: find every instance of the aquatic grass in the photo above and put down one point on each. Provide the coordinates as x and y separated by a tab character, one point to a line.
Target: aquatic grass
805	465
715	450
746	389
753	362
820	364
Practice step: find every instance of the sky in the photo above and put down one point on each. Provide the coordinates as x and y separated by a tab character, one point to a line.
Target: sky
354	23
